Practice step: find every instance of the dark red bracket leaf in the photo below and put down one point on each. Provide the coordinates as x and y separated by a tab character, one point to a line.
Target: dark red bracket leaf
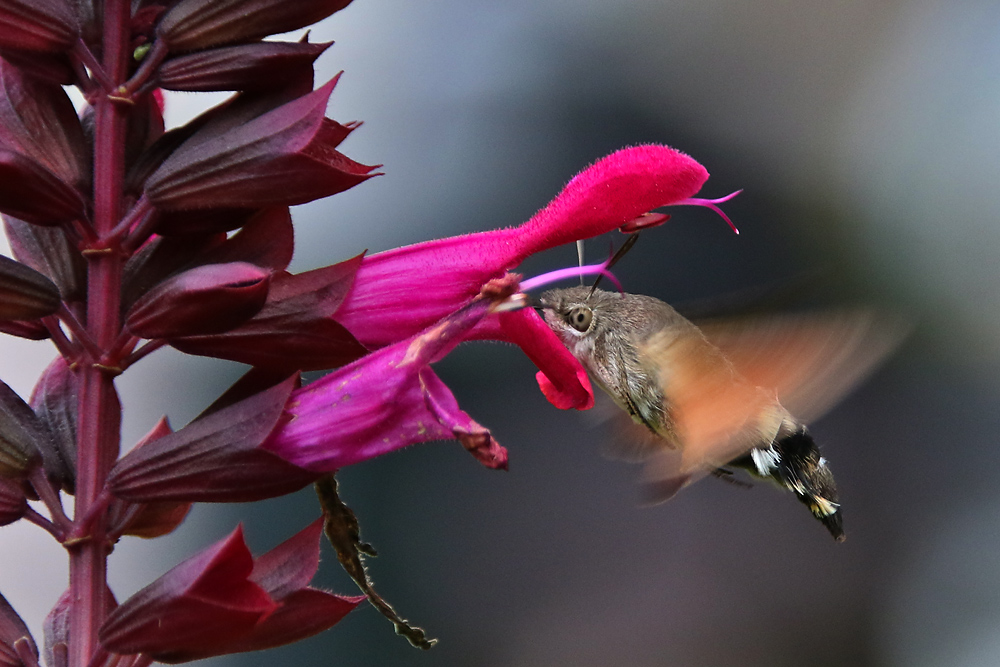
208	299
28	330
56	628
25	294
13	630
54	401
281	158
223	601
38	120
34	194
214	459
295	329
200	605
48	26
23	438
193	25
13	502
147	520
48	251
245	67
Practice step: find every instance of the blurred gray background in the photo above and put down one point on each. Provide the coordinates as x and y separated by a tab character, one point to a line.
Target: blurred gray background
865	137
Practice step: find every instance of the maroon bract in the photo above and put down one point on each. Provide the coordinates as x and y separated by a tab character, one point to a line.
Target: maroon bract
204	300
37	25
286	156
15	638
223	601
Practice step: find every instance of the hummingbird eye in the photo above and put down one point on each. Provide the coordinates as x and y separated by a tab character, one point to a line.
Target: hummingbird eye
580	318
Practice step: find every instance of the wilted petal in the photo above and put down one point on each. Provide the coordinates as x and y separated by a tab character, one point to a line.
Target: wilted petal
34	194
54	400
245	67
385	401
25	294
206	602
12	629
13	503
217	458
48	251
37	25
295	329
283	157
476	439
199	24
203	300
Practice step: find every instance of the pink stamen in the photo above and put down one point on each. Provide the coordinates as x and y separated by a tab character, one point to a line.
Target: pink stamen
712	204
571	272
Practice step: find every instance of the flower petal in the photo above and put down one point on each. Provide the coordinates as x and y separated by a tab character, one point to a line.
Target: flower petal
48	251
399	292
34	194
386	400
562	379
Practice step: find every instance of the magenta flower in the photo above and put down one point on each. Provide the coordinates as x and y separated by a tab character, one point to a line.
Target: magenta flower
278	440
389	399
222	600
399	292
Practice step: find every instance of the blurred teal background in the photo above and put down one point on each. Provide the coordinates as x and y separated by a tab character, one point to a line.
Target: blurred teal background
866	139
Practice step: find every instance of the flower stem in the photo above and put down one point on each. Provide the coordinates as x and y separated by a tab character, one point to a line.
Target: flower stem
98	431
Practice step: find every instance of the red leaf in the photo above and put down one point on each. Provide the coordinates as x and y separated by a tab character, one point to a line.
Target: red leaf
199	24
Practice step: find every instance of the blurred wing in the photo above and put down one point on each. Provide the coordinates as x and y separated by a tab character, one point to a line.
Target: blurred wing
811	360
717	415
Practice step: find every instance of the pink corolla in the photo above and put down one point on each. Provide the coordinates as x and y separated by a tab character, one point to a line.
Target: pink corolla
399	292
279	440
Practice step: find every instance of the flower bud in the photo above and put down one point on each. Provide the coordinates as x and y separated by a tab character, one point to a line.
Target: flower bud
204	300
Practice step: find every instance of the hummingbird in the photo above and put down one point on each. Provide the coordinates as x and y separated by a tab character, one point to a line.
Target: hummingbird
727	394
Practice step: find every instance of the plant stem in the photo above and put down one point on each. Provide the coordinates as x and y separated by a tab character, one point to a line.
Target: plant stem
98	431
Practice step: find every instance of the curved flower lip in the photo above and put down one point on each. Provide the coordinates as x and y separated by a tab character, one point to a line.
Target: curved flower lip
389	399
399	292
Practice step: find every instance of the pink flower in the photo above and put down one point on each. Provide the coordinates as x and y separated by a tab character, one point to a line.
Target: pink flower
389	399
399	292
